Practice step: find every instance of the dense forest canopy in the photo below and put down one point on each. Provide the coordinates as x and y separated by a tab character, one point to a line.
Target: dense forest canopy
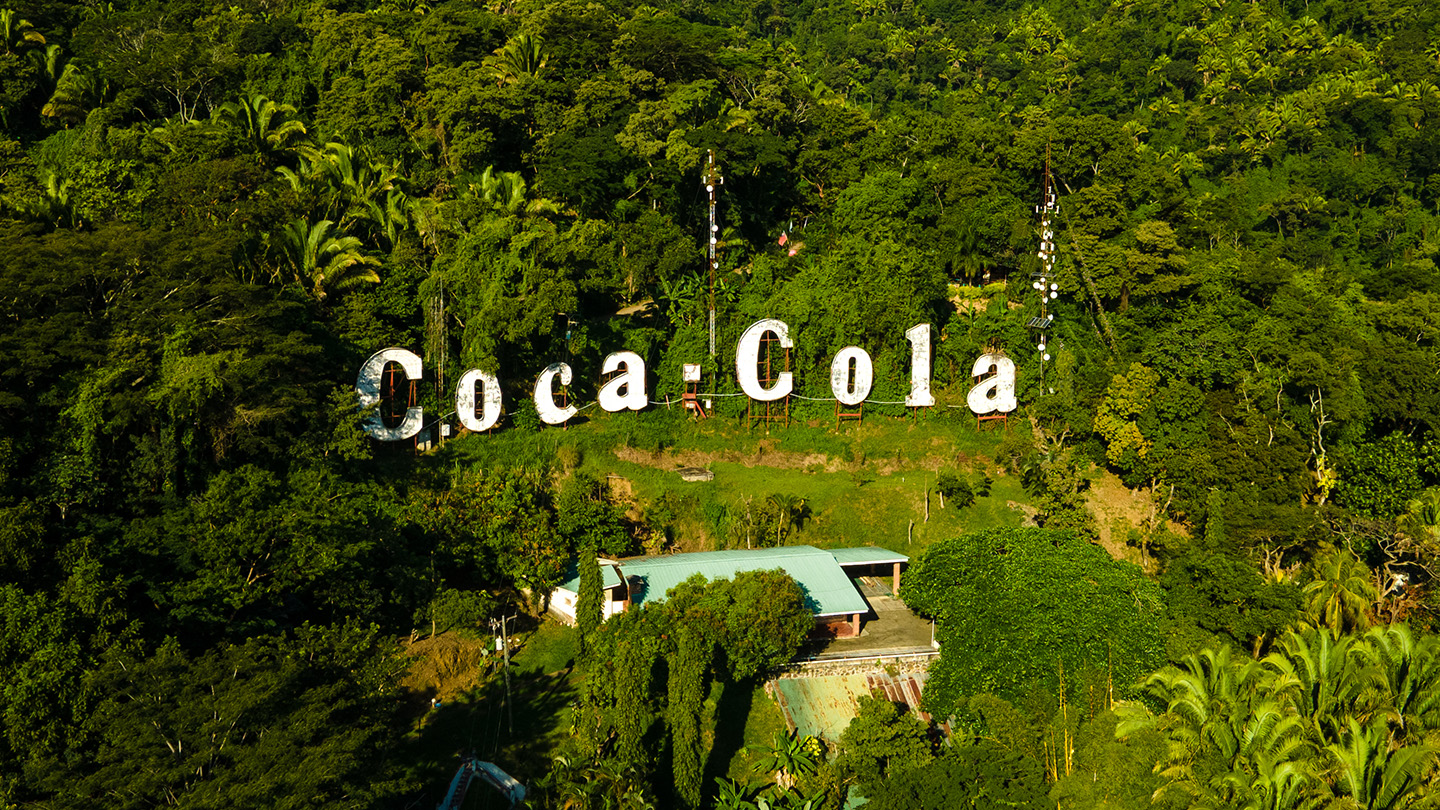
211	213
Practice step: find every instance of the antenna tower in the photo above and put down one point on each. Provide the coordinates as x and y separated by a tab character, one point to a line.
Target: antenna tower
712	181
1045	279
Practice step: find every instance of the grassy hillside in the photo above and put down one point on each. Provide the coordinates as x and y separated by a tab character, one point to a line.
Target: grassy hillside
859	484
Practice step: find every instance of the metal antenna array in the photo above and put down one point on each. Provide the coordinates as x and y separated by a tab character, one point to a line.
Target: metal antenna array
712	180
1044	280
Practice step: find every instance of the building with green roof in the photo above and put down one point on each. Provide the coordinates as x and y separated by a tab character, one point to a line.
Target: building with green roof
823	574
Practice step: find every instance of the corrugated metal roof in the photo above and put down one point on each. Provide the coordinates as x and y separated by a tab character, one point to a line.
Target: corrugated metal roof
823	706
828	590
607	572
867	555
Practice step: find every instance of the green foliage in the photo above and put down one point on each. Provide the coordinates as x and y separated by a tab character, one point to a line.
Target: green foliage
1023	606
790	757
589	520
957	491
685	693
1378	479
210	213
249	722
589	609
493	527
453	609
658	660
1305	724
1212	587
1112	770
882	742
977	775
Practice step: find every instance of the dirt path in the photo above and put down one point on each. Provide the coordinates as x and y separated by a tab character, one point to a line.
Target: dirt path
764	455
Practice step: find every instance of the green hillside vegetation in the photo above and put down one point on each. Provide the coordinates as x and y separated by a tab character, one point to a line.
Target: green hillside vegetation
217	591
864	485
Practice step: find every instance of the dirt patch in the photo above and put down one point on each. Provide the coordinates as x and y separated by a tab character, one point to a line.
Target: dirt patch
1027	512
1117	510
445	666
764	455
620	488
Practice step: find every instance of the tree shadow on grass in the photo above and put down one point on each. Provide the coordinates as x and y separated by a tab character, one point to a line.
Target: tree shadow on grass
518	735
732	711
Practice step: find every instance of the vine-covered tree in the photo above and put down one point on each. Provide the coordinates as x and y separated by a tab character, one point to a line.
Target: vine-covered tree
1016	608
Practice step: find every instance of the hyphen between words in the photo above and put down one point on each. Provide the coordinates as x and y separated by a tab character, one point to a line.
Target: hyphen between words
851	377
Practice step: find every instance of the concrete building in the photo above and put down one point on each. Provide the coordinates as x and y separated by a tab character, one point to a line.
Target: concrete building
823	574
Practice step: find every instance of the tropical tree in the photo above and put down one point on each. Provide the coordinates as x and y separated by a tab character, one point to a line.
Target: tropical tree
54	207
1231	742
77	90
1018	607
17	34
347	183
1408	667
506	193
268	127
519	59
788	510
883	741
1342	593
1421	521
323	260
588	607
1371	773
575	783
1325	677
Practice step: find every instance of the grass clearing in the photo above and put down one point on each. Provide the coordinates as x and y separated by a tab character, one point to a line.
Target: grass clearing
517	730
861	484
740	717
551	648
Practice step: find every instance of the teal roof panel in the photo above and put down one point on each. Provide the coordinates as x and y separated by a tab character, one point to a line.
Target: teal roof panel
607	572
827	588
867	555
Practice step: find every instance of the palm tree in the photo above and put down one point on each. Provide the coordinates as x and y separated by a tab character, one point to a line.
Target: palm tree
507	193
1409	670
1219	714
342	179
76	92
168	133
324	260
519	59
1342	593
1278	785
1372	774
787	511
51	61
1325	678
54	207
970	258
390	218
268	126
17	34
1421	521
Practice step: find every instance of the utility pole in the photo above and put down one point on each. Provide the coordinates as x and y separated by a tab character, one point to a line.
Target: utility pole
712	180
505	647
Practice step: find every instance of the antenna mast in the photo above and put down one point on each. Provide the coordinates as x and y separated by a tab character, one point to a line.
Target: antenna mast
1044	280
712	179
